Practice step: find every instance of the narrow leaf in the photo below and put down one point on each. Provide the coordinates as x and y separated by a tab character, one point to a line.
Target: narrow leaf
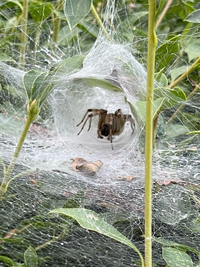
7	260
36	88
28	81
92	221
76	10
103	83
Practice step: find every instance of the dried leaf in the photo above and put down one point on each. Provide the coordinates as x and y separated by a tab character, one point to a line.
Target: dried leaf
80	164
128	178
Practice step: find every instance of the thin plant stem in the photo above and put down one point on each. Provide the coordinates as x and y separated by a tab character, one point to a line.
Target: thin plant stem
152	42
54	239
183	104
24	35
163	13
37	40
18	148
56	26
185	74
93	10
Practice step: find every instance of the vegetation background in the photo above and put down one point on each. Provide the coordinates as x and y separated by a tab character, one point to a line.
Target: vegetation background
36	35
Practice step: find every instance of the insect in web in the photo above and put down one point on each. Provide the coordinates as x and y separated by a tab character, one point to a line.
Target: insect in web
109	124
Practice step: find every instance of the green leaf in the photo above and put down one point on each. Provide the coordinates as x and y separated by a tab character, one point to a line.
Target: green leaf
191	122
7	260
131	19
17	2
36	88
92	221
161	78
176	258
192	49
103	83
173	97
166	52
76	201
178	71
4	57
76	10
169	243
28	81
47	86
69	65
194	17
30	257
175	129
92	29
141	105
66	35
39	10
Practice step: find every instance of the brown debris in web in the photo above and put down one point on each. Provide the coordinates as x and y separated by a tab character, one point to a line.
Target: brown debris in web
82	165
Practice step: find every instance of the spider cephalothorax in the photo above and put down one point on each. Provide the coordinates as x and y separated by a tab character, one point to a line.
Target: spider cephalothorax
109	123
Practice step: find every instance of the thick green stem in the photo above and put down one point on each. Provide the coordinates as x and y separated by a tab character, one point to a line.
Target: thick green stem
93	10
10	168
152	42
24	35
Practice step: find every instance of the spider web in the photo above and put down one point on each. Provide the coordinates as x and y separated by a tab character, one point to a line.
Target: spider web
49	149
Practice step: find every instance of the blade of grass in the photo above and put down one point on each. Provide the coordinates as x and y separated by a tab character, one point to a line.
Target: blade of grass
152	42
95	14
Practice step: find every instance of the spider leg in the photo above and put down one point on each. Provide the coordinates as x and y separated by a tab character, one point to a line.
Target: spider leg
132	122
119	111
110	134
110	124
88	117
89	110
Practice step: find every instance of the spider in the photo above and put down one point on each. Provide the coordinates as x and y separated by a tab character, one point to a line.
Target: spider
109	123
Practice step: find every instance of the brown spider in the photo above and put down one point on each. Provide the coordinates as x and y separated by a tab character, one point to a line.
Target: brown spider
109	123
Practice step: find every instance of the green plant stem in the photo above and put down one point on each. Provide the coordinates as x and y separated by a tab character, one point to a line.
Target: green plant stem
185	74
56	26
24	35
152	42
183	104
54	239
18	148
167	6
93	10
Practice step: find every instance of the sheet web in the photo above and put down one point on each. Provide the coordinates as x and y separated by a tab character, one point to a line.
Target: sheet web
116	191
